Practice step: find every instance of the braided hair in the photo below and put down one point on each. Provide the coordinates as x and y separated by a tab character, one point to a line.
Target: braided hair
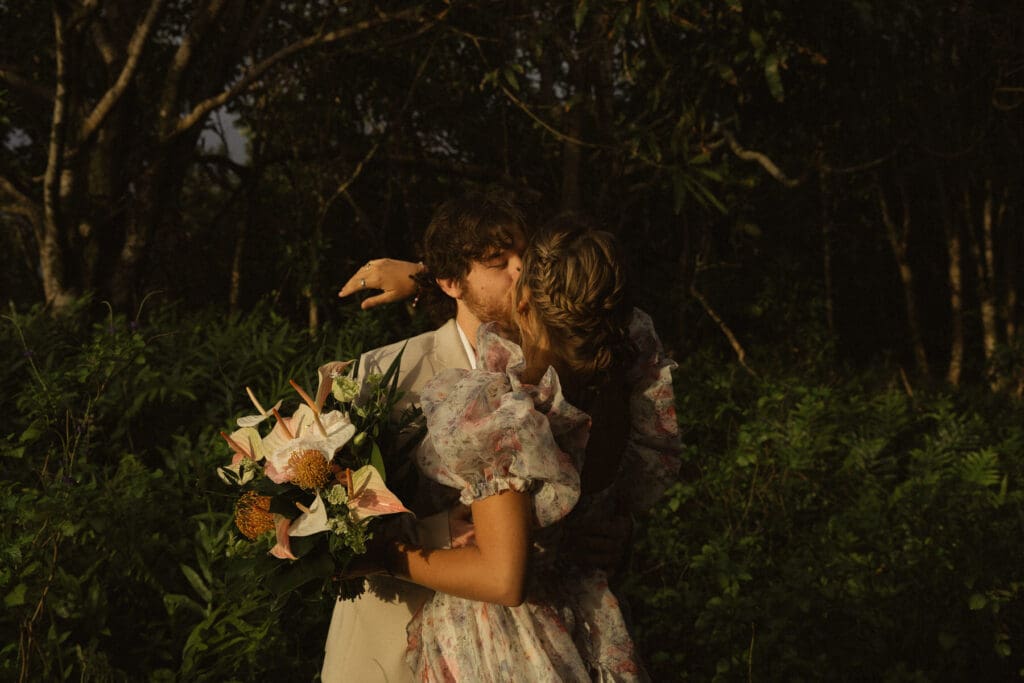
575	283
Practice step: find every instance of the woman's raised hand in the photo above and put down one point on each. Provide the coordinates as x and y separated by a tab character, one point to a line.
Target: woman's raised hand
391	276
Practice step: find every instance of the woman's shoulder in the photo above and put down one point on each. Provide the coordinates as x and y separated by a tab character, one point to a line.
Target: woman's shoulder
488	431
644	336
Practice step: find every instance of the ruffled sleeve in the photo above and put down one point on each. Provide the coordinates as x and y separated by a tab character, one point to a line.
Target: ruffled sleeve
652	458
488	432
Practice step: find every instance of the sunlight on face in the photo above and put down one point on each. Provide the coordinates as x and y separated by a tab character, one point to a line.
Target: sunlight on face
486	289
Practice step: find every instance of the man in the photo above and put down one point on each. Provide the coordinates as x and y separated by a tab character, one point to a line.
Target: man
472	249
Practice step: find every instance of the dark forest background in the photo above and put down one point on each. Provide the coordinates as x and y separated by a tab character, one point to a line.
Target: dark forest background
823	207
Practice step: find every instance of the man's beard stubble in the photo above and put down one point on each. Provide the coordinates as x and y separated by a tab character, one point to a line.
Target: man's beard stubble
493	312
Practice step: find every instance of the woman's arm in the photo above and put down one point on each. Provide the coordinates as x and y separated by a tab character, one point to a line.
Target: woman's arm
493	570
391	276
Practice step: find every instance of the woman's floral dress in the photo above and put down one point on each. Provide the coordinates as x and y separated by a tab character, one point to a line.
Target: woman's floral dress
489	432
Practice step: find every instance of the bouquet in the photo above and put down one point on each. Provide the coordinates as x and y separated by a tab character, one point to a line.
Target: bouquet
312	488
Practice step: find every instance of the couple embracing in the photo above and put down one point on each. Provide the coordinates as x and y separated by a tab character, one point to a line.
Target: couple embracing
550	419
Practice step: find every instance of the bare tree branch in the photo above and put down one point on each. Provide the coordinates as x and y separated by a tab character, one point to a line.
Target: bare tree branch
50	254
765	162
183	57
741	353
200	111
863	166
358	170
544	124
114	93
21	204
899	237
10	75
103	45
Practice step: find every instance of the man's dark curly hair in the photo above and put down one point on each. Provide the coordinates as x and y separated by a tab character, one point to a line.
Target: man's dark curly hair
470	228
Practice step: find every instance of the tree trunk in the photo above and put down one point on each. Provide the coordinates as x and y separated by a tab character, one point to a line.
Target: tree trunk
159	189
51	248
956	291
1011	268
982	252
825	197
898	239
235	286
988	303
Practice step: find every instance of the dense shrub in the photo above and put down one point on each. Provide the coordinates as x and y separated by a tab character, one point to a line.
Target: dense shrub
112	552
835	531
825	529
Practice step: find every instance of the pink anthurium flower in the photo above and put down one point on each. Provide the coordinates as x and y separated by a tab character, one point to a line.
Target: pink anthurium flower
282	550
370	497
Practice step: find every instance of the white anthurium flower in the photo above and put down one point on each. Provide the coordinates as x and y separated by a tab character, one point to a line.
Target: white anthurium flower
250	441
279	448
312	522
300	421
253	420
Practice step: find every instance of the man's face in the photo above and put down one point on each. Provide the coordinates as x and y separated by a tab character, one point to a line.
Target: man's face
486	288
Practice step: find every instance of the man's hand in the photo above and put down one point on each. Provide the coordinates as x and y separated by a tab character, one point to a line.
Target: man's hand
392	277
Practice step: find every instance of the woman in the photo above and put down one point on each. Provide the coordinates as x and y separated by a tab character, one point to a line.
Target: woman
511	437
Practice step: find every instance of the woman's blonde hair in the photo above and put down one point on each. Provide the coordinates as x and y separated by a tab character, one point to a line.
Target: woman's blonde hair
574	283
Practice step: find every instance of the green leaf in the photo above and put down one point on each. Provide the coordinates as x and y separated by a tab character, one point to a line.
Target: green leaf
377	460
284	503
581	13
313	567
16	597
510	78
34	431
977	601
390	379
174	602
197	583
727	74
756	40
771	74
305	545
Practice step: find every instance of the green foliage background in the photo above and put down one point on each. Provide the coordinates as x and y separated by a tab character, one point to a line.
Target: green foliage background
828	193
113	562
825	528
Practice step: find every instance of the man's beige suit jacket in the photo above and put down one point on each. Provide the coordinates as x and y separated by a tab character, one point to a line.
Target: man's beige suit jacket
367	637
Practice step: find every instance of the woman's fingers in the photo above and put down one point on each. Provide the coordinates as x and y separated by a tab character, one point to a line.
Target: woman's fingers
392	277
385	297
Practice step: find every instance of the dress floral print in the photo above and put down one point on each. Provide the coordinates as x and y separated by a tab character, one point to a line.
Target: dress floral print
489	432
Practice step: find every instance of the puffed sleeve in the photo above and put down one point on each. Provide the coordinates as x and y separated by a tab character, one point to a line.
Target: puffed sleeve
485	434
652	458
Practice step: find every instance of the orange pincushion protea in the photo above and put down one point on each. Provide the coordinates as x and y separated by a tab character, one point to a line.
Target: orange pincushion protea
310	470
253	516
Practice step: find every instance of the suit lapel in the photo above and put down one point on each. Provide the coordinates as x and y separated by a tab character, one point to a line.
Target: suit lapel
448	351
